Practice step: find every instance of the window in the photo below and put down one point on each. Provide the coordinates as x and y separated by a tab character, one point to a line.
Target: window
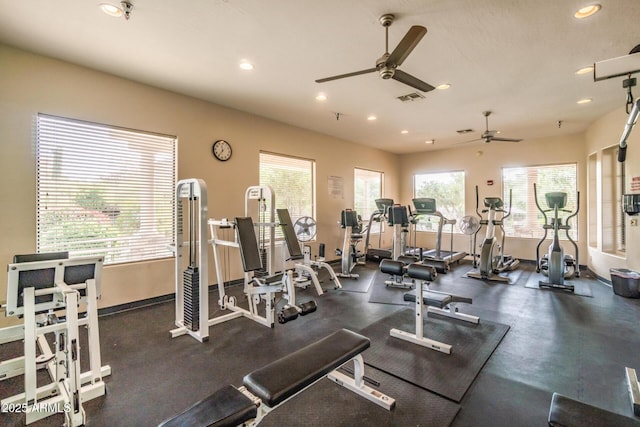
367	187
104	190
293	181
526	220
593	200
447	188
613	227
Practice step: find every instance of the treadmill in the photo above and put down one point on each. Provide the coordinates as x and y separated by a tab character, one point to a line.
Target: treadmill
439	258
379	215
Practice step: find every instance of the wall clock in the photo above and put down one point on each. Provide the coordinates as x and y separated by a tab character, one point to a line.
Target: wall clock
221	150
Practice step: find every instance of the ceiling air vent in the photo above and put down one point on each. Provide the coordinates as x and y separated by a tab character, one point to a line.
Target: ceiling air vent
413	96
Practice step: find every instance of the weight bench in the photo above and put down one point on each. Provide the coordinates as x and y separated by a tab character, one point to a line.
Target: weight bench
266	388
567	412
436	302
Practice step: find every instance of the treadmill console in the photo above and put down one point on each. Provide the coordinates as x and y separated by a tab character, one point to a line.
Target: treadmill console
425	205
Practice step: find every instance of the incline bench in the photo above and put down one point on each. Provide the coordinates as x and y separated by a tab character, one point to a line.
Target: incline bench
266	388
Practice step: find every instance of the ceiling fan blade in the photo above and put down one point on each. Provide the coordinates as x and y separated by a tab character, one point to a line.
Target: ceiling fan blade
342	76
505	139
408	79
406	45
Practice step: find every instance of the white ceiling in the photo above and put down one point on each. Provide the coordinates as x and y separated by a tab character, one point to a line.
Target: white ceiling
516	58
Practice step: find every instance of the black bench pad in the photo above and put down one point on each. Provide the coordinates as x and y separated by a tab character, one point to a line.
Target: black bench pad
283	378
226	407
433	299
566	412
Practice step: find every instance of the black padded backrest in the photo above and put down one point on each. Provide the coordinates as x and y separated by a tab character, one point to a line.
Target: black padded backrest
398	215
289	233
349	218
39	279
248	243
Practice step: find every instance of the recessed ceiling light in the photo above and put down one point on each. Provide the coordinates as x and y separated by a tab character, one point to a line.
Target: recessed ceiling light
371	118
430	141
443	86
586	11
246	65
321	97
585	70
404	131
585	101
111	10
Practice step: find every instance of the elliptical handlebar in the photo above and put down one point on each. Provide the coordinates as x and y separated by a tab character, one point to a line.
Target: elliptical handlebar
509	211
478	204
535	197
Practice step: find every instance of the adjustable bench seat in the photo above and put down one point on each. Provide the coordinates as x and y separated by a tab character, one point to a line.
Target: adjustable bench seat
226	407
267	387
431	299
567	412
285	377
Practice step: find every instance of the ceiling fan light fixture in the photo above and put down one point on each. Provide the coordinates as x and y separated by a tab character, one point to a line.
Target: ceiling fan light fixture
587	11
111	10
585	70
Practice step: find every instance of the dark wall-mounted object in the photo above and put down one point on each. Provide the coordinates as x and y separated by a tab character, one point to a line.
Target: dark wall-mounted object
631	203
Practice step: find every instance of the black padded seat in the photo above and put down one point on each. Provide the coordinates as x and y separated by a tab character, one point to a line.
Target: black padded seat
285	377
392	267
422	272
432	299
226	407
567	412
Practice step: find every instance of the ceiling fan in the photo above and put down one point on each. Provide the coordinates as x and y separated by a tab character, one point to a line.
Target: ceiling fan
387	65
490	135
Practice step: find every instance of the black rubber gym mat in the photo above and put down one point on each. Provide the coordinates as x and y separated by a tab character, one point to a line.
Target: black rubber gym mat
361	284
383	294
449	375
328	404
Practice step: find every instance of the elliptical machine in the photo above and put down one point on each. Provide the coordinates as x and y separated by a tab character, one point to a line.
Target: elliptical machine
491	266
555	264
353	234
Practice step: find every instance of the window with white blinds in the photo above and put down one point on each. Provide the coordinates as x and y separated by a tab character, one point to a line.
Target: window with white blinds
367	187
104	190
526	220
293	182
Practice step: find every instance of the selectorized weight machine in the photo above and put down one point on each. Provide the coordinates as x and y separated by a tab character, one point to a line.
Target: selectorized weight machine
555	264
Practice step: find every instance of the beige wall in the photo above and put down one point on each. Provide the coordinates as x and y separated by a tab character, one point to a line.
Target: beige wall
604	133
482	162
30	84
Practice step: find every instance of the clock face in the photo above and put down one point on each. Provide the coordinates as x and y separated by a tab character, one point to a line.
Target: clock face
222	150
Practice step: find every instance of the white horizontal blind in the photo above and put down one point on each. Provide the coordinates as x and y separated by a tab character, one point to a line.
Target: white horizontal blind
104	190
292	180
526	220
447	188
367	188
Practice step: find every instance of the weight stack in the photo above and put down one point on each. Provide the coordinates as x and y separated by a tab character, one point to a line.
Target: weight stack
191	297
